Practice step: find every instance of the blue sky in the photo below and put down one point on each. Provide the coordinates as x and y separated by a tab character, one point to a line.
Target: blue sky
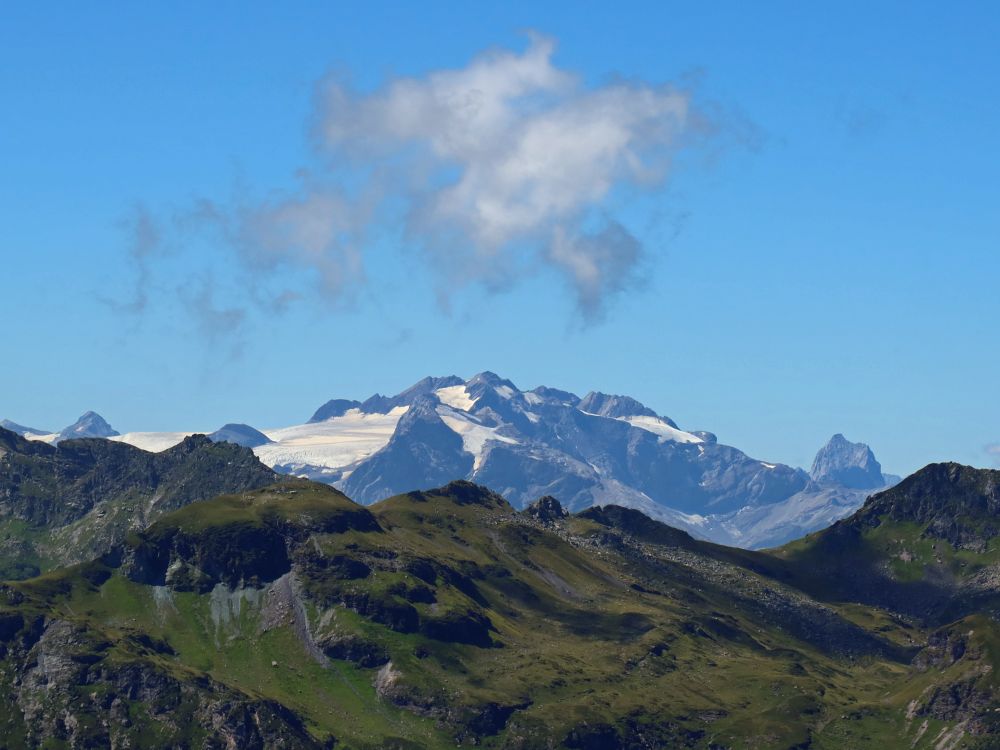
822	258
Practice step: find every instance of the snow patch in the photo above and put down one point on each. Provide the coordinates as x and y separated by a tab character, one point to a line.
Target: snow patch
474	435
333	444
154	442
456	397
42	438
657	426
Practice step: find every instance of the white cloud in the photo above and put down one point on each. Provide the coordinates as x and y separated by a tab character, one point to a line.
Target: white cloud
494	170
511	155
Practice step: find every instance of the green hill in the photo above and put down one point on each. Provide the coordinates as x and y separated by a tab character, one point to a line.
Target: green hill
291	617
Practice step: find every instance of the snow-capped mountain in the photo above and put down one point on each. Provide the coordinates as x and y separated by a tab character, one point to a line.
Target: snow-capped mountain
240	434
20	429
89	425
595	450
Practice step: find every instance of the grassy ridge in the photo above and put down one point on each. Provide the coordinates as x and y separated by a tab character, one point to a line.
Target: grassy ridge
446	617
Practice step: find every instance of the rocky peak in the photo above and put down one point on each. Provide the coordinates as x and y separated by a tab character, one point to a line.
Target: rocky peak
554	394
955	502
546	509
89	425
334	408
849	464
384	404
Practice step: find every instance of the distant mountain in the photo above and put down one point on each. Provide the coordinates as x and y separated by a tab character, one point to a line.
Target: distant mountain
337	407
21	429
586	451
842	476
597	449
89	425
852	465
240	434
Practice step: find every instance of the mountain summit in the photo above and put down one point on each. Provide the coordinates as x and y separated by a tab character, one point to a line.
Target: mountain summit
594	450
598	449
850	464
90	425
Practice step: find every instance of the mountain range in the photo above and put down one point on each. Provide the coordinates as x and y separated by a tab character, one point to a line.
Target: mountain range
282	614
585	451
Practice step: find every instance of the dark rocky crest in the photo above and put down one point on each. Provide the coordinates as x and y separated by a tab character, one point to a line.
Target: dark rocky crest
547	510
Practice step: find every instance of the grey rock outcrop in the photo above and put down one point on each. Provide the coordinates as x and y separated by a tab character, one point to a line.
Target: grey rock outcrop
849	464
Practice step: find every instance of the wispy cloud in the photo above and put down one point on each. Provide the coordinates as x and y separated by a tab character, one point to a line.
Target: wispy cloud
496	170
510	161
143	241
221	325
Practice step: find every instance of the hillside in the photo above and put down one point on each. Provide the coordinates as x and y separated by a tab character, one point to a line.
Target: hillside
928	547
292	617
71	502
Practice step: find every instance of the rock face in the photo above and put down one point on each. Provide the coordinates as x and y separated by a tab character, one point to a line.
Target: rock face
952	502
597	449
604	405
852	465
334	408
547	510
423	452
91	425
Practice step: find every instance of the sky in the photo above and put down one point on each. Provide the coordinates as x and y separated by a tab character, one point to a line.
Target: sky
774	221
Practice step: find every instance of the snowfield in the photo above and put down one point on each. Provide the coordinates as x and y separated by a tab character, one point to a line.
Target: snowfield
474	435
658	427
154	442
334	444
455	396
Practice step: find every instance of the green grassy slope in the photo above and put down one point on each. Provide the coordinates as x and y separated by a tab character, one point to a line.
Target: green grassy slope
291	616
